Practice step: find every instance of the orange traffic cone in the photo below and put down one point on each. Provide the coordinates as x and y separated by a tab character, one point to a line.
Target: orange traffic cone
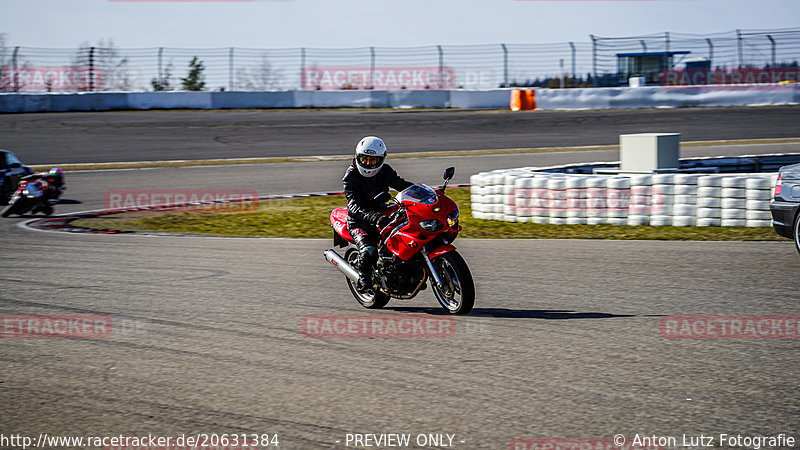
530	97
516	100
523	100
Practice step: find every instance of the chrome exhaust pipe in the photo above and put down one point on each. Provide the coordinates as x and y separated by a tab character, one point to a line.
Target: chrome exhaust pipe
337	261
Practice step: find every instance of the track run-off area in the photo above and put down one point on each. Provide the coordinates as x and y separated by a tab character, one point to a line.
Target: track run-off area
569	339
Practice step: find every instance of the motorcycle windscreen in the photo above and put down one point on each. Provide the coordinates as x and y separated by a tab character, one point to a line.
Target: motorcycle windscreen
418	193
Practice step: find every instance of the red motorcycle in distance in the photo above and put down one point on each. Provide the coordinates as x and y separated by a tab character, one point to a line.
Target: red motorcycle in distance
415	247
35	193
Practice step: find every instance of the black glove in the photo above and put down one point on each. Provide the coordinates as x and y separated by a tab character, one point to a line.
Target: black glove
383	221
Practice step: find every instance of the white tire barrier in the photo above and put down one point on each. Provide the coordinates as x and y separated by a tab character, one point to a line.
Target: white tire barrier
733	192
685	189
709	191
734	203
708	222
759	194
758	215
733	222
733	213
759	183
708	213
617	221
531	196
758	223
638	220
734	182
683	221
710	181
757	205
660	221
709	202
663	178
664	189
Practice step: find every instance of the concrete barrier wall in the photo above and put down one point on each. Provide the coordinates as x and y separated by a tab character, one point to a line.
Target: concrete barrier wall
667	96
492	99
546	99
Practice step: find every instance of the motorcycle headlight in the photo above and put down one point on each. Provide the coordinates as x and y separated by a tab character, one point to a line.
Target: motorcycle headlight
431	225
452	218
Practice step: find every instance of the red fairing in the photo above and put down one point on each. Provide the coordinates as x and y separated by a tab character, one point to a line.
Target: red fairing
339	223
406	241
440	250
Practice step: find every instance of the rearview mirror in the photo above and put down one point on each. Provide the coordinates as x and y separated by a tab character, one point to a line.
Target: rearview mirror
449	172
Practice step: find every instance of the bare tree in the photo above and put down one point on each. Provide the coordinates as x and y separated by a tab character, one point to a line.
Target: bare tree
6	82
261	77
10	61
165	83
113	71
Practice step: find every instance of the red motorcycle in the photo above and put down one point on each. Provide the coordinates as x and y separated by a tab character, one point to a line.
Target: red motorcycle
34	193
416	246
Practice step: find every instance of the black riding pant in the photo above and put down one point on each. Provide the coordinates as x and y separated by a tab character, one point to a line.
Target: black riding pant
366	241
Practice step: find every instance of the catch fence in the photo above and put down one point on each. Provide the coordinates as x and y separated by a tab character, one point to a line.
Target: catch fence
570	64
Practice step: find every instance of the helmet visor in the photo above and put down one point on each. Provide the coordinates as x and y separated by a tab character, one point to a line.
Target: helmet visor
369	161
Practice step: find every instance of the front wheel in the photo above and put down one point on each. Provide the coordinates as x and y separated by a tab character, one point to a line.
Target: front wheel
6	191
797	233
459	294
15	207
375	301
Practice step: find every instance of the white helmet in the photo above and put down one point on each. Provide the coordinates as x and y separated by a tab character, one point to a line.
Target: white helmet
370	147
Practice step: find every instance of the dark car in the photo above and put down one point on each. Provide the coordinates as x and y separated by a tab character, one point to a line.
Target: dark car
786	204
11	170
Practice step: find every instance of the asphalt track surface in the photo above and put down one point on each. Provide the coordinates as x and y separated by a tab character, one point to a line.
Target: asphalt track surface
166	135
564	341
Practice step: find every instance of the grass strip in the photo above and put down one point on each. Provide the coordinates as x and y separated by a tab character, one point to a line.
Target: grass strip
308	218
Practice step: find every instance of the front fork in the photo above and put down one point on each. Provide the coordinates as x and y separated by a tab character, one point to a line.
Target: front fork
444	289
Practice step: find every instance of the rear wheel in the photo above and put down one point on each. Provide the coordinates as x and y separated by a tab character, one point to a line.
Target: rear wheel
376	300
459	294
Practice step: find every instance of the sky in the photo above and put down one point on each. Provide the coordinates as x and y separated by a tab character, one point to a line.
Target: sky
381	23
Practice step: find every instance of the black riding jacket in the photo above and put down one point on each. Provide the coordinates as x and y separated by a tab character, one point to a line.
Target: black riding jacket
360	191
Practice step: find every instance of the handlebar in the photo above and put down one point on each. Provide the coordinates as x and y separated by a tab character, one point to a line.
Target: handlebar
395	218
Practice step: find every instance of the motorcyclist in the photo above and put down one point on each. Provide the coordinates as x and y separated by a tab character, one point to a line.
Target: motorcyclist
55	186
367	177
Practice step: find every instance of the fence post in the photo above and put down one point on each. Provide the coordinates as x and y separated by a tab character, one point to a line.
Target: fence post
91	69
572	49
441	64
505	64
741	57
710	59
772	42
594	60
160	65
230	69
371	67
302	68
16	69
